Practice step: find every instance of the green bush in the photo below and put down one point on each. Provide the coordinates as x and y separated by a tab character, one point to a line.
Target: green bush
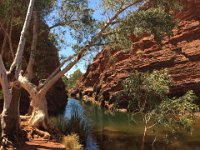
146	90
71	81
147	95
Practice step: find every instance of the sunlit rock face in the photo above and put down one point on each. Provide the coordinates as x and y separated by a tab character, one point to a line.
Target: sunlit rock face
191	10
180	54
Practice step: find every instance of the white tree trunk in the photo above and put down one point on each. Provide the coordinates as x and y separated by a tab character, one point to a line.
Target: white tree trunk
39	116
10	122
29	69
20	49
5	86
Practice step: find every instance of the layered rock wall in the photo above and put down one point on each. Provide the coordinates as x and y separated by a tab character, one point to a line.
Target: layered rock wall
180	54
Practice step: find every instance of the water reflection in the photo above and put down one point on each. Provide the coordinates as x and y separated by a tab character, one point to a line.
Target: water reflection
114	131
74	106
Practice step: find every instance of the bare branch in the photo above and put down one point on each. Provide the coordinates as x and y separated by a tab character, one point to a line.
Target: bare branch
10	36
3	45
18	58
29	69
27	85
54	26
5	85
149	127
57	70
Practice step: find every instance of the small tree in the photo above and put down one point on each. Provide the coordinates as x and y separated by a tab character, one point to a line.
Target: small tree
148	96
73	79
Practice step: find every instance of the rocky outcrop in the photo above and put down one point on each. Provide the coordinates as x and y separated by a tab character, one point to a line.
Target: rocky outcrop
180	54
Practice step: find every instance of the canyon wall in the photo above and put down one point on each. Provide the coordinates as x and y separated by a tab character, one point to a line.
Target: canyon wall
180	54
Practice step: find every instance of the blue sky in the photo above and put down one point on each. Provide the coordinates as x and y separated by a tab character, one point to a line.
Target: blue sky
65	50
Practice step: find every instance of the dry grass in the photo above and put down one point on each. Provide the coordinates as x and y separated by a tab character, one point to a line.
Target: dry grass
71	142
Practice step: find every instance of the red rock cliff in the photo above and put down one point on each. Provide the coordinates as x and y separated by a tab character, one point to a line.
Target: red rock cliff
179	54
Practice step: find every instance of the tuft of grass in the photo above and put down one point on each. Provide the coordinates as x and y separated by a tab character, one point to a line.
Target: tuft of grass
72	142
75	124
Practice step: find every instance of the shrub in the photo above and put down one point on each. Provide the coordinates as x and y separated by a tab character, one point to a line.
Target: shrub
145	90
147	95
71	142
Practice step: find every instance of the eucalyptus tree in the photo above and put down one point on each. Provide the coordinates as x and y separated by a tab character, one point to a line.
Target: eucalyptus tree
10	120
10	124
148	97
116	26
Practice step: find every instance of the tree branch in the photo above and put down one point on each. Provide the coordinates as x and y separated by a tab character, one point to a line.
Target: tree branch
57	70
54	26
3	45
10	36
82	52
5	85
29	69
27	85
18	58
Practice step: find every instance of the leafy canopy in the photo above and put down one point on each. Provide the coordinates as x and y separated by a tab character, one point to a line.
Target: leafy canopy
147	94
71	81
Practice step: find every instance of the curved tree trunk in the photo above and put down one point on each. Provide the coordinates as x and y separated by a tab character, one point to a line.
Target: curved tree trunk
10	123
39	117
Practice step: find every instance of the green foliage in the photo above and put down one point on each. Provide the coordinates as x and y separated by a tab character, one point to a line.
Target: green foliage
168	5
76	10
176	113
77	16
147	94
72	79
114	5
60	123
153	21
9	8
145	90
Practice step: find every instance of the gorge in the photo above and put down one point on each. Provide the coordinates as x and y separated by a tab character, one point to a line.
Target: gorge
179	54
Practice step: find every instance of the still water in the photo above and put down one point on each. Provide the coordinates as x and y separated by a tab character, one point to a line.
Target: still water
114	131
